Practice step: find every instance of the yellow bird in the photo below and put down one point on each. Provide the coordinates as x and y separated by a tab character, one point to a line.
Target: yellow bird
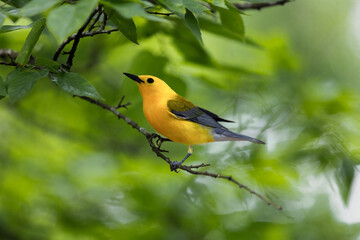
178	119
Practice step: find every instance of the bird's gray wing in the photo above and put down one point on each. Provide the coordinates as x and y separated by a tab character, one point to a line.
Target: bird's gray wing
184	109
214	116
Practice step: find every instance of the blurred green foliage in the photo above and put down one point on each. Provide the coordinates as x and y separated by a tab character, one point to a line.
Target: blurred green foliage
71	170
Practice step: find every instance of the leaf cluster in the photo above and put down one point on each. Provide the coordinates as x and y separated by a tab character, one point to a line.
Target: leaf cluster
62	19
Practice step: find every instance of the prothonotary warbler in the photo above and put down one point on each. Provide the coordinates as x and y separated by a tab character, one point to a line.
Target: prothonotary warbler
178	119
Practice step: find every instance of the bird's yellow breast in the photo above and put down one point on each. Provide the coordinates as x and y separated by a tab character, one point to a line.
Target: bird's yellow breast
177	130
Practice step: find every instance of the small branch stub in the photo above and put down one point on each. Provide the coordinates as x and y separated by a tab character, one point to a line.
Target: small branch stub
259	6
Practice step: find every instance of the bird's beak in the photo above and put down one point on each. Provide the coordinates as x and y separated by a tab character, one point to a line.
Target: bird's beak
134	77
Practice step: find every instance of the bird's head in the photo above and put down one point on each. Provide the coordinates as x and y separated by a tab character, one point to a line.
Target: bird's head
151	86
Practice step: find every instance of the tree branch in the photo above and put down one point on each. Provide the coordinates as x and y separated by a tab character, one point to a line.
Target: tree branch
77	39
159	13
259	6
14	64
231	179
9	55
8	63
99	13
158	151
84	34
103	23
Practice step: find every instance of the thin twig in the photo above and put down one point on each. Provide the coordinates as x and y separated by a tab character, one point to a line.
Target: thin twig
231	179
103	23
200	165
99	12
159	13
77	39
14	64
9	54
259	6
121	105
158	152
85	34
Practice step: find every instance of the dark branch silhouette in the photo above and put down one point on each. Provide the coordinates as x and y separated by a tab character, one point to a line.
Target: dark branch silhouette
159	13
77	39
14	64
259	6
82	35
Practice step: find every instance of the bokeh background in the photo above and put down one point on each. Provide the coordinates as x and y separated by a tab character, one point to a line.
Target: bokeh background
71	170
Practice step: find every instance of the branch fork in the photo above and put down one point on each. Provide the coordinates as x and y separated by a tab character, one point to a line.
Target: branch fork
121	105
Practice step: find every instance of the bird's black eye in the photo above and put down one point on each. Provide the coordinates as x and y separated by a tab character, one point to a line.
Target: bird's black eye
150	80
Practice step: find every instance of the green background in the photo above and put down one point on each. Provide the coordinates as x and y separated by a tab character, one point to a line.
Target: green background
71	170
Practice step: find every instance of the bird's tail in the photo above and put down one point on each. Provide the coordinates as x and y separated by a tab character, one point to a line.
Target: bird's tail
227	135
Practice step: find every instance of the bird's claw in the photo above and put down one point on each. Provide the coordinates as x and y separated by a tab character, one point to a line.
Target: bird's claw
158	142
174	166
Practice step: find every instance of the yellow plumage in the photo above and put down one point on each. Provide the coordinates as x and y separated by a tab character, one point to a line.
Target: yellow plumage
178	119
155	107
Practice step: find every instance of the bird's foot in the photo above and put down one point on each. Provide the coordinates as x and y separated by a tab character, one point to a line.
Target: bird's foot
158	142
174	166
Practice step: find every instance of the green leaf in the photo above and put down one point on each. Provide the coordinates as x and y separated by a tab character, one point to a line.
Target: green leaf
2	88
67	19
176	83
196	7
59	22
9	28
17	3
217	29
125	25
2	18
11	12
30	41
219	3
232	8
192	23
345	179
37	6
147	62
187	44
174	6
20	81
48	63
74	84
231	21
131	9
